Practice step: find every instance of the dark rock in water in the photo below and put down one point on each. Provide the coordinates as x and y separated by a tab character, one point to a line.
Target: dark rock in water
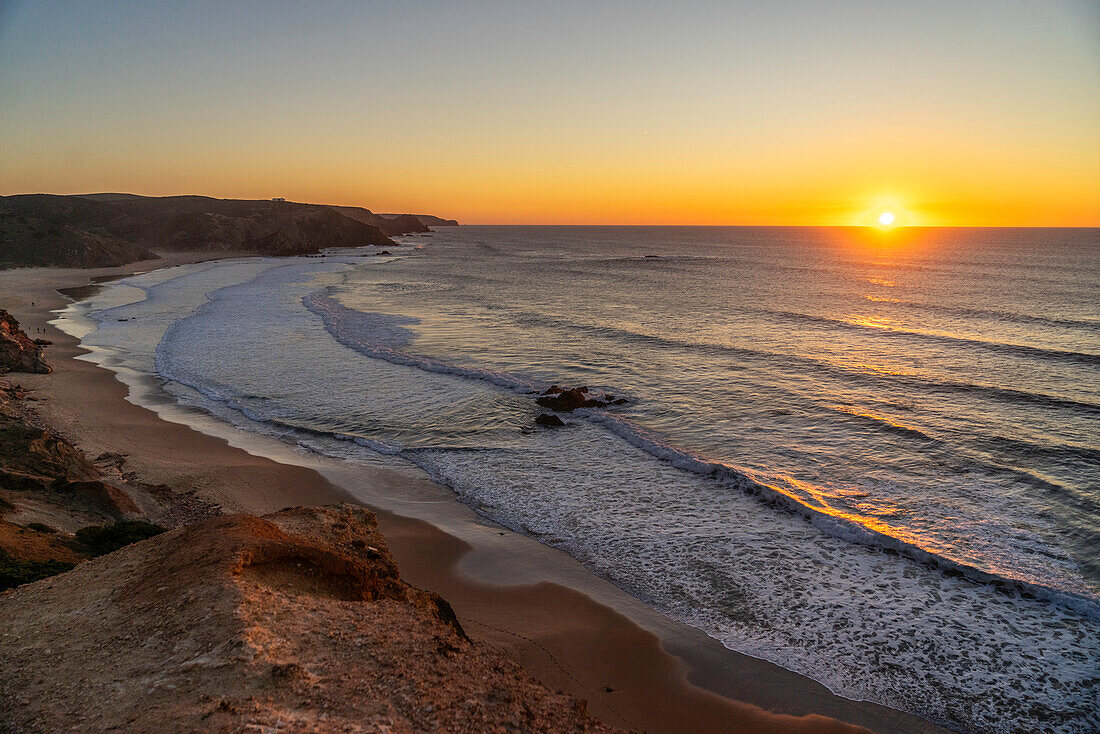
548	420
568	400
384	252
18	353
557	389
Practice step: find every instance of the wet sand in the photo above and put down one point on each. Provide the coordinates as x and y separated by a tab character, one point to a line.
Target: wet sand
678	681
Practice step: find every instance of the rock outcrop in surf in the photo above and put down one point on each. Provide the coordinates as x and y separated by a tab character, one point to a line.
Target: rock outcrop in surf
549	420
566	400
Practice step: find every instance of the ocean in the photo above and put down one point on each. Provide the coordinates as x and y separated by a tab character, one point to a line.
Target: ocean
869	457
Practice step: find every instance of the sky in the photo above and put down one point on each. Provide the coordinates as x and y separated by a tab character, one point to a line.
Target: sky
968	112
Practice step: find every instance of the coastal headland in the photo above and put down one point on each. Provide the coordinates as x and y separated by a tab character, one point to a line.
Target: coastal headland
97	230
323	632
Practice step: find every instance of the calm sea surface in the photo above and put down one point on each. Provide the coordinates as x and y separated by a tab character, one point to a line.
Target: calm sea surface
873	458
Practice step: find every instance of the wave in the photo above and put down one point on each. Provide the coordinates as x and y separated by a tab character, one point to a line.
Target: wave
655	258
354	333
1021	350
977	268
1045	452
985	457
884	423
991	443
828	519
351	331
1010	316
386	330
1002	394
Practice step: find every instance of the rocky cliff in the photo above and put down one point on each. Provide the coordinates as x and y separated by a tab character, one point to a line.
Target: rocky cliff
62	230
99	230
425	219
402	224
296	621
18	352
53	498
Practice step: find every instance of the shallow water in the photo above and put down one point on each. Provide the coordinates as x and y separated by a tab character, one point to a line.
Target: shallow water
869	458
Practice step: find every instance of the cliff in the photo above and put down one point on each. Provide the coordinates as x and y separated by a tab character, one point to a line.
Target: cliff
99	230
62	230
58	507
18	352
297	620
427	220
403	224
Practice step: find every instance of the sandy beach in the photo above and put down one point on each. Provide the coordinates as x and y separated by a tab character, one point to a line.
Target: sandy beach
629	676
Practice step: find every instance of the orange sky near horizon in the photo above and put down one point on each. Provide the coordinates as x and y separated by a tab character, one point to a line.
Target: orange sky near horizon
981	116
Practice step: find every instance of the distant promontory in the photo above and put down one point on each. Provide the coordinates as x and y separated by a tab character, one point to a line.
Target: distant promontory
101	230
426	219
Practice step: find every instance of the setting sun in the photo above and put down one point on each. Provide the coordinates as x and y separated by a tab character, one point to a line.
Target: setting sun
886	219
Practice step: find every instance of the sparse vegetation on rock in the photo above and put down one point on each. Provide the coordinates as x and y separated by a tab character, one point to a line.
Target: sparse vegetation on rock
16	572
40	527
103	539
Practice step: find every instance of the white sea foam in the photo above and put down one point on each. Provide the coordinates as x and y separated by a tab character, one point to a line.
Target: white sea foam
374	335
379	336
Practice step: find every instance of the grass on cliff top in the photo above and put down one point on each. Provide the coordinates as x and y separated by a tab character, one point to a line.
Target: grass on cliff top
98	539
102	539
40	527
15	572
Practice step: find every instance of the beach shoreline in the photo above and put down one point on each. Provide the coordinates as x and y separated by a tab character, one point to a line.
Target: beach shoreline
630	676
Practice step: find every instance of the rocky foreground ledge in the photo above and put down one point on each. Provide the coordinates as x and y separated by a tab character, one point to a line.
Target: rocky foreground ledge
296	621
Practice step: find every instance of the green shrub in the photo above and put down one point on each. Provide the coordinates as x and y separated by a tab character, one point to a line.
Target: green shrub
14	572
101	539
40	527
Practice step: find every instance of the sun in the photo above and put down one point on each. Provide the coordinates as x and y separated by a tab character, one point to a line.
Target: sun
884	212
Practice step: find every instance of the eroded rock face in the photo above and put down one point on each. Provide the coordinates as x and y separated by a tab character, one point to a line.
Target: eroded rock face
101	495
18	352
37	455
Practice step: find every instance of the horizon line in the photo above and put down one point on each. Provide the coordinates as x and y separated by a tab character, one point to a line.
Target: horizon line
895	227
